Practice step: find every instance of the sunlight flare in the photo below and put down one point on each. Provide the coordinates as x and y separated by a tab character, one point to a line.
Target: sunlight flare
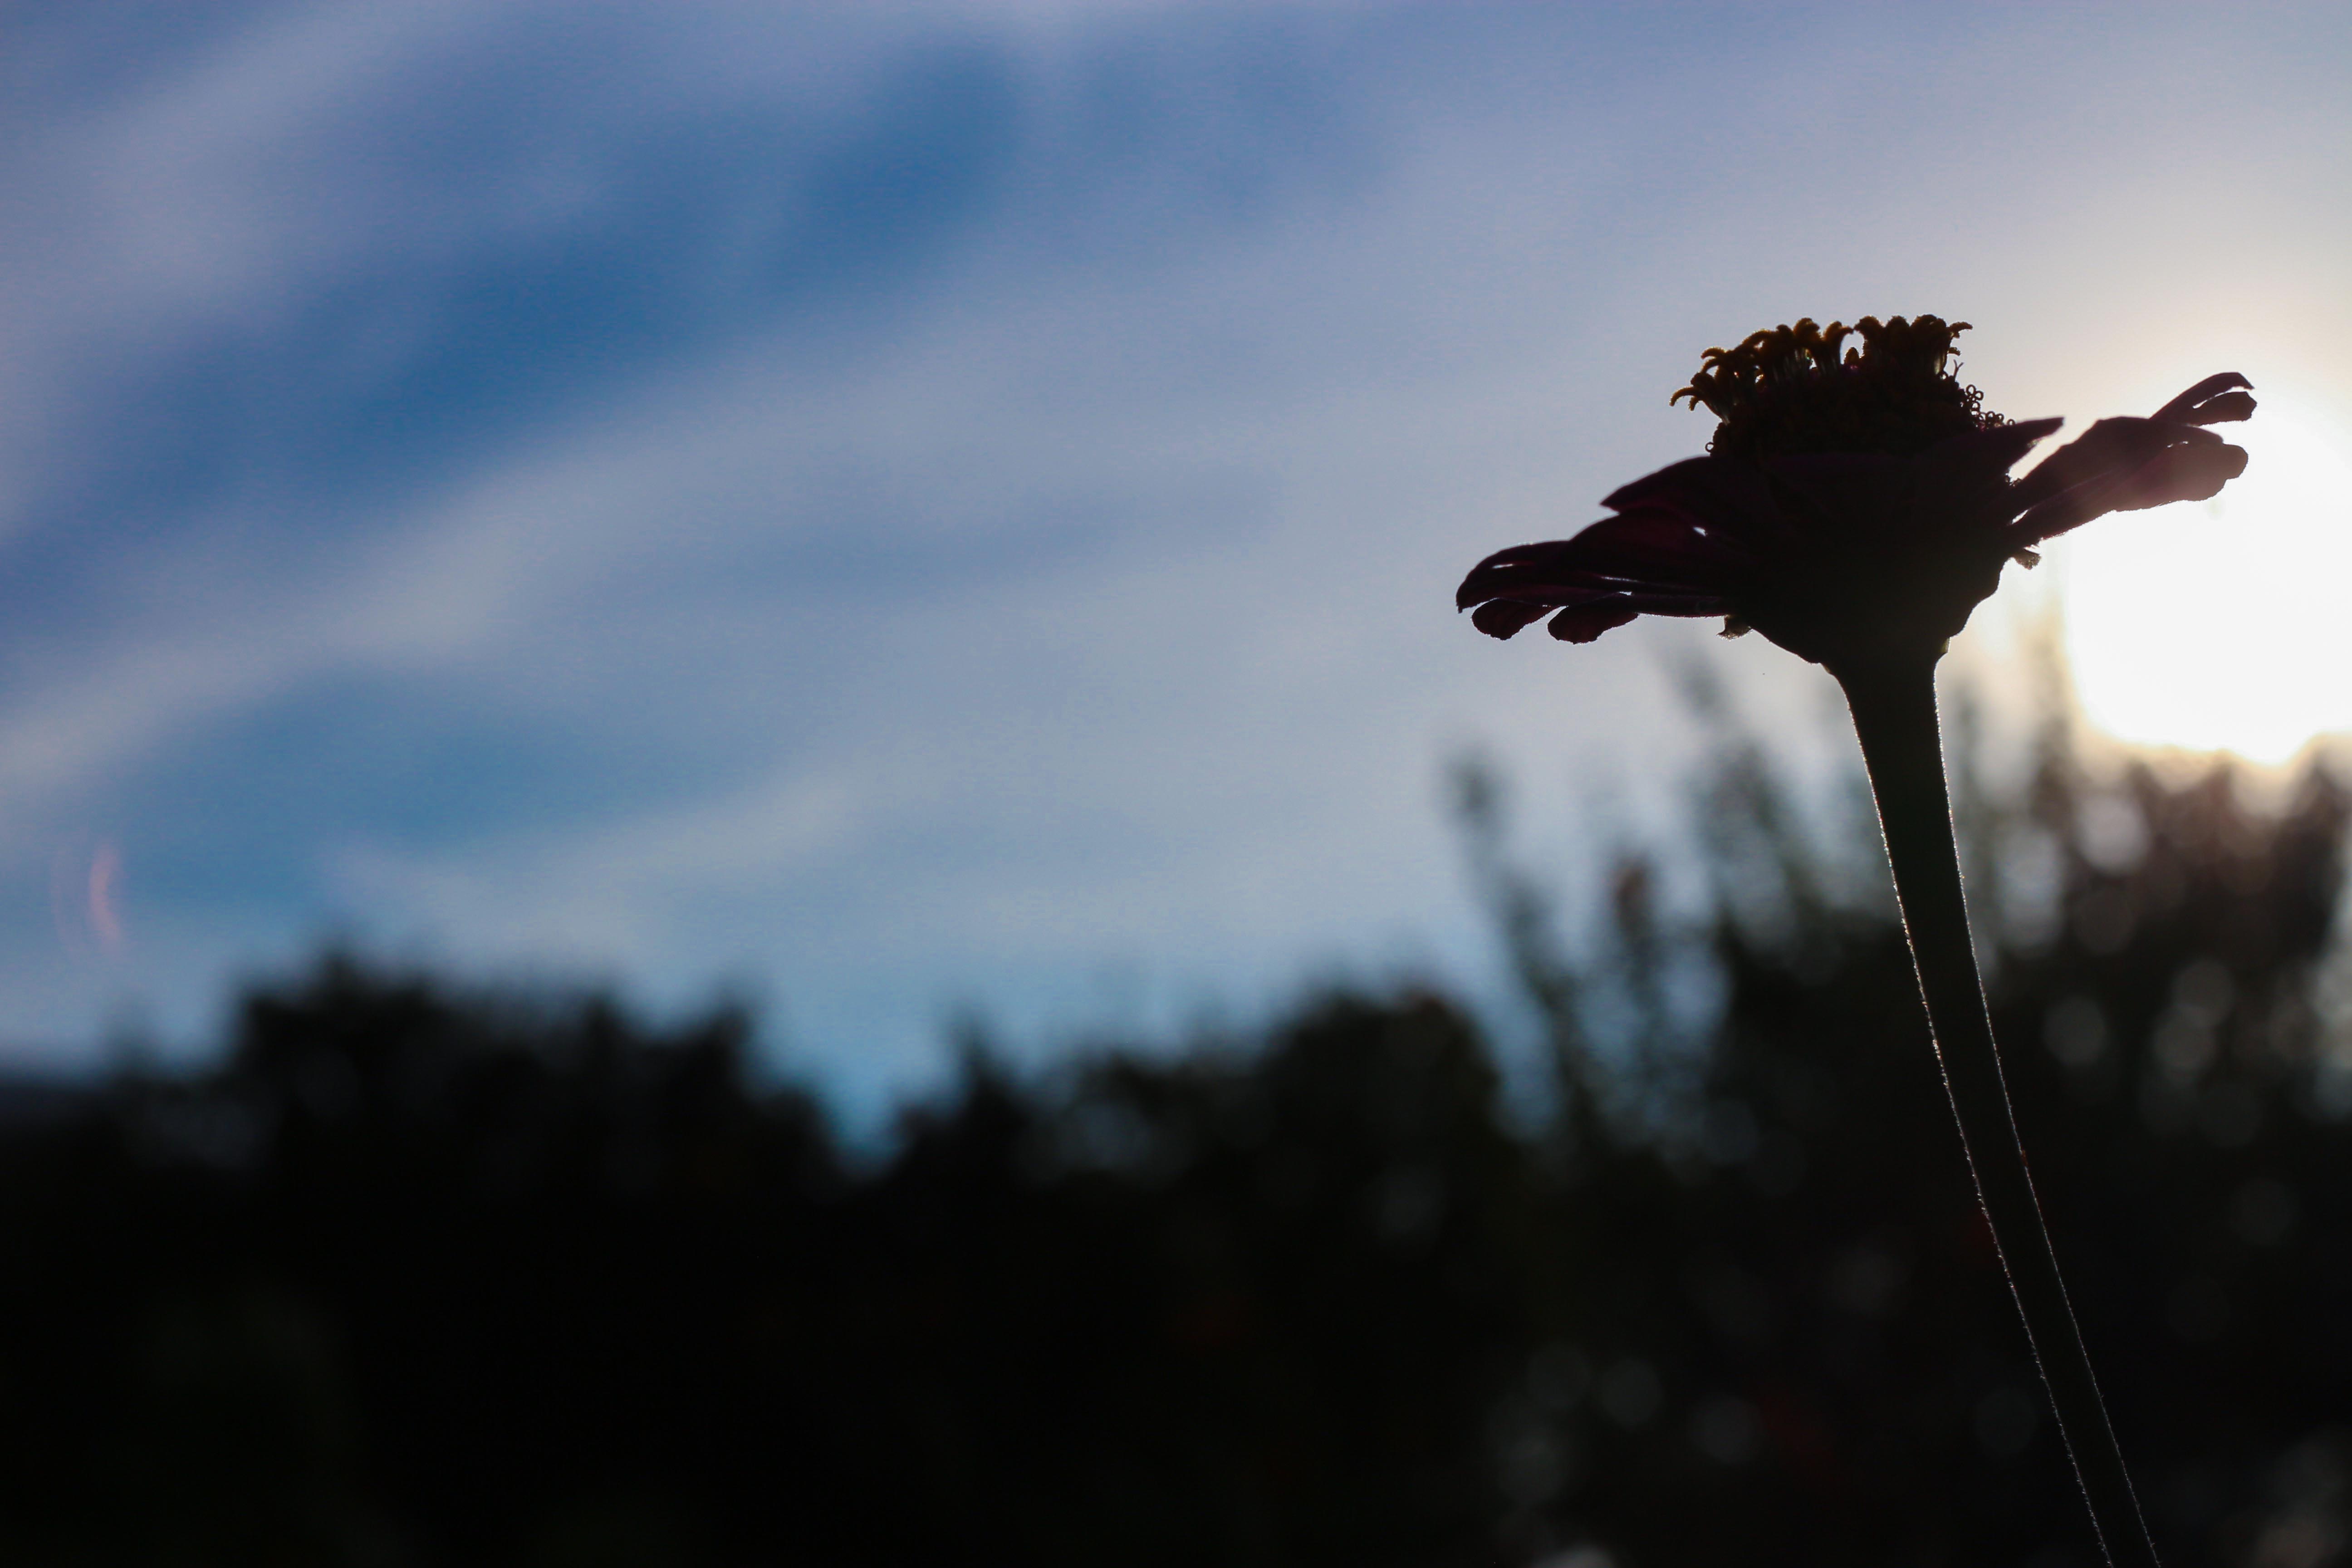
2219	625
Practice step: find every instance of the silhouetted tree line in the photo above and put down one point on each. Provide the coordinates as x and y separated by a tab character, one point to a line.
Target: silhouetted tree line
416	1275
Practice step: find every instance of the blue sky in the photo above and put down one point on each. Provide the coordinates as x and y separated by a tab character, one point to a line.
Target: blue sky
892	509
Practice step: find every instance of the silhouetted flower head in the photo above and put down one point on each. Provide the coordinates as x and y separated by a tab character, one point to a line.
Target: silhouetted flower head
1852	505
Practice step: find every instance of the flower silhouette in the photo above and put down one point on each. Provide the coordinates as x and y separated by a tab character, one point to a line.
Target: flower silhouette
1854	509
1849	509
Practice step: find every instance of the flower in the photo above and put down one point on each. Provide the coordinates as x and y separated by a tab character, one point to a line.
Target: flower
1849	509
1855	511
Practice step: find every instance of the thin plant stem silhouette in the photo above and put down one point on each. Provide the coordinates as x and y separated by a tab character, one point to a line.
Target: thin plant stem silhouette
1855	509
1894	719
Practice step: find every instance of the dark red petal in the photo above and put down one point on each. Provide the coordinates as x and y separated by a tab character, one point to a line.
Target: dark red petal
1582	623
1676	601
1525	572
1494	574
1507	617
1643	550
1559	591
2071	507
2186	472
2068	510
1657	544
2226	409
2182	473
1728	498
2109	446
1556	570
1706	481
2204	404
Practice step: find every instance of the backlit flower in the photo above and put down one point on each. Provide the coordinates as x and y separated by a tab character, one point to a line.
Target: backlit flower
1855	509
1850	508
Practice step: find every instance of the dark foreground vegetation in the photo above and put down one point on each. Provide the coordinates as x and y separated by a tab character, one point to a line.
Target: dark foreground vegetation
418	1276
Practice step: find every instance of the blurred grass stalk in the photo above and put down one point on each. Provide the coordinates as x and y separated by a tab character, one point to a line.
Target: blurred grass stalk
1894	708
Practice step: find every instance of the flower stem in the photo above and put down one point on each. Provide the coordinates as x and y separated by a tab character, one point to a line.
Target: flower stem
1893	707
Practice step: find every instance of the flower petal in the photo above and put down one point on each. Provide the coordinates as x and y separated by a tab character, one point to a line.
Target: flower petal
1728	499
2191	471
1642	551
2228	408
1506	619
1656	545
2109	447
1523	572
2068	510
2182	473
1676	601
1582	623
2216	400
1501	573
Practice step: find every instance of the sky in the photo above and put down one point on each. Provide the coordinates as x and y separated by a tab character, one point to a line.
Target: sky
903	511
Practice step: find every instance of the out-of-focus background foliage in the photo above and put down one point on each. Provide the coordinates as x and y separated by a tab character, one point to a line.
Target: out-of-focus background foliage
419	1275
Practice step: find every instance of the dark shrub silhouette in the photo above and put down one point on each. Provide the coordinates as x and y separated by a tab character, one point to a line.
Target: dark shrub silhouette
421	1276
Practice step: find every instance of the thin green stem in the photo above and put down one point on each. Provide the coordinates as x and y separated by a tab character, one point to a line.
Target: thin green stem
1894	708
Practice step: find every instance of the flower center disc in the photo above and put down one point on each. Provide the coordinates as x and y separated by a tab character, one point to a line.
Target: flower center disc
1788	391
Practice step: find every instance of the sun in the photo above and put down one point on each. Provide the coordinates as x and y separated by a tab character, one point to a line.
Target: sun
2221	625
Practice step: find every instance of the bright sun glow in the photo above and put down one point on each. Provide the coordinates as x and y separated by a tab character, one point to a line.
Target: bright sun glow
2221	626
